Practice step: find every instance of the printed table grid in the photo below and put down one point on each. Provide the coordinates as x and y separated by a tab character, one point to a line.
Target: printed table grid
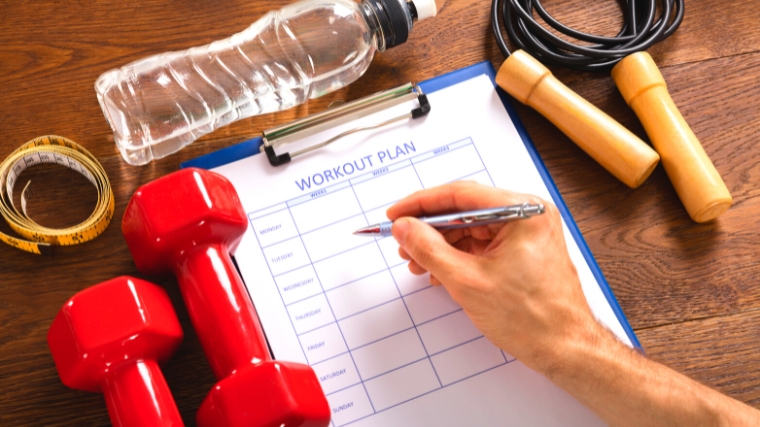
376	335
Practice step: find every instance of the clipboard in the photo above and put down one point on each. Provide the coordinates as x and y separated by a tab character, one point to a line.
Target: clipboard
266	145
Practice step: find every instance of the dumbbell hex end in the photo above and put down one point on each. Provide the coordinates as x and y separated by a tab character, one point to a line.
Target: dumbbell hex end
284	397
104	325
110	338
202	207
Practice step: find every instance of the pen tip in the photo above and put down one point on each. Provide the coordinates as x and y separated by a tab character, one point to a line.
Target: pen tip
371	230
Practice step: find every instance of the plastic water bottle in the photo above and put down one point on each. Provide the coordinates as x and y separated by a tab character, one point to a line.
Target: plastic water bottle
160	104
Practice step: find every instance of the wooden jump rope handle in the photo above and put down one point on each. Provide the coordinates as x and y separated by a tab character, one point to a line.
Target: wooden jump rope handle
617	149
697	182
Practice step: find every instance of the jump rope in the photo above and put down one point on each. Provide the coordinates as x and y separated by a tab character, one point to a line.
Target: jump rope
522	75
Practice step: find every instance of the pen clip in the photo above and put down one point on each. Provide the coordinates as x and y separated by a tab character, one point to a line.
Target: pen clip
508	212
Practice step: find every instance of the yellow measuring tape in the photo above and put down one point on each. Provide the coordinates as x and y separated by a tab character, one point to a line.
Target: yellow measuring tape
64	152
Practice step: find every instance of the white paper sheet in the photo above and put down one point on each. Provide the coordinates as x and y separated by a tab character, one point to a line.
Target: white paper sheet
389	349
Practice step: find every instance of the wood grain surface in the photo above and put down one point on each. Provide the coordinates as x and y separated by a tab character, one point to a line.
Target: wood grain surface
691	291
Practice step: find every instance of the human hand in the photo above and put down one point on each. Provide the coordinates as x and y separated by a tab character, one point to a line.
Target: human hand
514	280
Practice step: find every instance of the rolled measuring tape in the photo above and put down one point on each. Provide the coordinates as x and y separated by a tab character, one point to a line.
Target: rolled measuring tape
59	150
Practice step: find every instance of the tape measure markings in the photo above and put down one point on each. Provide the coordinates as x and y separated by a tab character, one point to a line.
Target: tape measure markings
56	150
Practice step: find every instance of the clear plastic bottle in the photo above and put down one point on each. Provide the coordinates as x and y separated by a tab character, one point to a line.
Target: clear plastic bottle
158	105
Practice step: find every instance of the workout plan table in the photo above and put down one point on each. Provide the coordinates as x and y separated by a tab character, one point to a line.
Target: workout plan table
388	348
351	322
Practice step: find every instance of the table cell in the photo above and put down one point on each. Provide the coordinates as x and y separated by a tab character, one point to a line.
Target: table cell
441	150
388	354
447	332
362	294
337	373
298	284
286	256
402	385
317	191
429	304
377	215
274	228
380	170
323	343
389	248
482	177
335	238
349	405
467	360
350	266
375	324
310	314
387	187
406	281
267	211
325	207
449	166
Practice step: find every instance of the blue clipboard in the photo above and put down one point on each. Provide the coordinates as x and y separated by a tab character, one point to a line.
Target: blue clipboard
252	147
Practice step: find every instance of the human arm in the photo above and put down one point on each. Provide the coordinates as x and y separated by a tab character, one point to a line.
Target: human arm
517	284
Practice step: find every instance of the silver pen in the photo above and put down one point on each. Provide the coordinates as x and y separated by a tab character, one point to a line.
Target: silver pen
462	219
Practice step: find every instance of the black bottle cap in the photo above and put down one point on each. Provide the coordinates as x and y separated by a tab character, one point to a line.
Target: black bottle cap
394	18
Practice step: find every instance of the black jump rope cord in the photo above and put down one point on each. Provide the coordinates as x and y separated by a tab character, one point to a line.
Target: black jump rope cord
641	29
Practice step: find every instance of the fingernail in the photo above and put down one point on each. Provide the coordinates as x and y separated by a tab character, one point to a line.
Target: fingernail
399	230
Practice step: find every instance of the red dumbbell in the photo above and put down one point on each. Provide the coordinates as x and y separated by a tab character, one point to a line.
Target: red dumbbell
110	338
188	222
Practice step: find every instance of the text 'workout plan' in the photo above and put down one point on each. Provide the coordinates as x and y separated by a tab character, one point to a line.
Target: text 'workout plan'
388	348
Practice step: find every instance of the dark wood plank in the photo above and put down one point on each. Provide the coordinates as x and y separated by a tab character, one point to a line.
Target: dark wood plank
719	351
667	272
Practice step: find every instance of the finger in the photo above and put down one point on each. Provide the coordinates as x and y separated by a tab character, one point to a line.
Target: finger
428	248
434	281
463	244
484	232
455	235
402	253
455	197
416	269
472	246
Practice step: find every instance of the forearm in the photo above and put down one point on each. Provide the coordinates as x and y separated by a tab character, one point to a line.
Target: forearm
627	389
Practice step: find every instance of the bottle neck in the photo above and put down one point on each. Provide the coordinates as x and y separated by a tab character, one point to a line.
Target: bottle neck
389	20
370	15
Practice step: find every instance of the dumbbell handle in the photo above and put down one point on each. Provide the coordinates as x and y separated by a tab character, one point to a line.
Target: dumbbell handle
618	150
221	311
697	182
137	396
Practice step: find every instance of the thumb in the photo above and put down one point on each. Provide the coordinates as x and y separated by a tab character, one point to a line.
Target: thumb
429	249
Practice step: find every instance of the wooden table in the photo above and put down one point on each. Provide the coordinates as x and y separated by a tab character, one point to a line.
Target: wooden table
691	291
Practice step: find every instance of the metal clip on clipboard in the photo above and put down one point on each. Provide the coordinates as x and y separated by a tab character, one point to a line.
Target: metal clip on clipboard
309	125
